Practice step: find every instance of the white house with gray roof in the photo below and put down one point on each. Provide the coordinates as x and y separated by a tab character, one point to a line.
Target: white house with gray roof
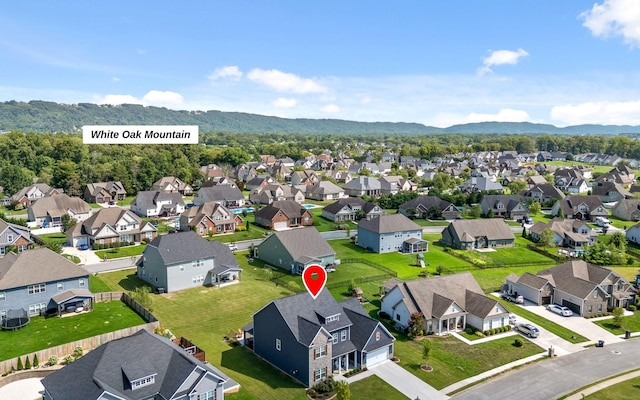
226	195
31	279
142	366
310	339
294	250
391	233
185	260
152	203
49	210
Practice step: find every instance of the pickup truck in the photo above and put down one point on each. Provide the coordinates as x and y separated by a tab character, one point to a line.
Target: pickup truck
512	298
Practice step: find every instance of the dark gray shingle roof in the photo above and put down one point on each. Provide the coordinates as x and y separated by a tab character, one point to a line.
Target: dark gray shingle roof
389	223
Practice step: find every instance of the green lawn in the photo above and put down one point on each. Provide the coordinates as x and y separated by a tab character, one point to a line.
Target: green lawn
54	238
374	388
127	201
97	285
129	251
94	205
621	391
453	360
73	259
42	332
9	212
492	279
552	327
514	255
631	323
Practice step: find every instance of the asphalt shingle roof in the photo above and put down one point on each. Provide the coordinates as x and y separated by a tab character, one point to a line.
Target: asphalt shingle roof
389	223
303	242
36	266
187	246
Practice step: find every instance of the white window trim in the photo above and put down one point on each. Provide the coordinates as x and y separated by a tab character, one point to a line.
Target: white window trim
278	344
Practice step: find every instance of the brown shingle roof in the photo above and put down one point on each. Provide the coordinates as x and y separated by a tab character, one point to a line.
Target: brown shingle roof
389	223
36	266
493	229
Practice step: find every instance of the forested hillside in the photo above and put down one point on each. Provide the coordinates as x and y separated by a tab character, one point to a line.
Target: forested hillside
42	116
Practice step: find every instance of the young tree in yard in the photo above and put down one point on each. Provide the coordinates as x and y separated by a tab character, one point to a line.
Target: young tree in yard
426	351
343	391
546	238
142	295
534	208
517	185
618	317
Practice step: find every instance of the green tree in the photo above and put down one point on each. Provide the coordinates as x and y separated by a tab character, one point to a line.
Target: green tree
343	392
517	185
36	363
534	208
618	317
142	295
27	363
416	324
426	350
546	238
20	366
67	222
13	178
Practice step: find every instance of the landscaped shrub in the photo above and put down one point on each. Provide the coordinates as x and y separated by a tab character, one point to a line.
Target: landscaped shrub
27	363
384	315
68	359
631	307
479	334
53	360
35	361
518	342
508	328
487	332
77	352
20	366
468	330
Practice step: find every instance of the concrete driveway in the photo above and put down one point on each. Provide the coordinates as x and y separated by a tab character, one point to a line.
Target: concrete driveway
405	382
85	256
547	340
25	389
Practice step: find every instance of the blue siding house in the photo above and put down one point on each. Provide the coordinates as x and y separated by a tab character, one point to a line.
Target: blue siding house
296	249
41	280
390	233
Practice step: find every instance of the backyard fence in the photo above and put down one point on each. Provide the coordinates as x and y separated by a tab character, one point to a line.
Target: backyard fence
361	279
91	343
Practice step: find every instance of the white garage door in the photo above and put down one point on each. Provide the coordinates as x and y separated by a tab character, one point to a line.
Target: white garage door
79	241
377	356
277	226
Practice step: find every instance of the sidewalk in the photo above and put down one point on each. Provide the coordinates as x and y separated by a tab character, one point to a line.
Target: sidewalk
480	377
602	385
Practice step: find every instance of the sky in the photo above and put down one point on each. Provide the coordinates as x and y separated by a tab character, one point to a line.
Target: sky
438	63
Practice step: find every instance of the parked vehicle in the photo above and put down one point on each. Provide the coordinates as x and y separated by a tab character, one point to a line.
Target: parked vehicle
233	246
84	247
528	330
512	319
513	298
560	310
603	222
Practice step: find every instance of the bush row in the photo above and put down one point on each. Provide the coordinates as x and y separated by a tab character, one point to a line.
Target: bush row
103	246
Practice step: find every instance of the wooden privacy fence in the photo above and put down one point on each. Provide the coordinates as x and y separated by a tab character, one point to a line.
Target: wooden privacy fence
90	343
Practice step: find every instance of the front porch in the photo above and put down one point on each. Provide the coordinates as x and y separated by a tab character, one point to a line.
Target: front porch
447	324
415	245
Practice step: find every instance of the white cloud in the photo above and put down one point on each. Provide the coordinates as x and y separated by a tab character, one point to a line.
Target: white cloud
115	79
500	57
615	18
330	108
504	115
603	112
228	72
285	103
285	82
152	98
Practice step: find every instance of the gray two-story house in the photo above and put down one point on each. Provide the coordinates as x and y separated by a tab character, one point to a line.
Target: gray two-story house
185	260
14	236
40	280
389	233
310	339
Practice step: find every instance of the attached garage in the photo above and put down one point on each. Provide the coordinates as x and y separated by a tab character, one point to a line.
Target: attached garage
377	356
546	300
279	226
79	241
572	306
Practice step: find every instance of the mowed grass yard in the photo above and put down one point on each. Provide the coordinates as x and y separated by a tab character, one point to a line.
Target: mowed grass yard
42	333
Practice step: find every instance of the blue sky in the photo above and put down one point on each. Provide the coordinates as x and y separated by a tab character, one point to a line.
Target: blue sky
434	62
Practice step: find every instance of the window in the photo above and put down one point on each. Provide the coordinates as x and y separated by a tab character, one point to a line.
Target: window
9	238
397	317
36	309
148	380
3	296
378	336
319	352
197	279
210	395
600	307
595	294
182	268
2	250
197	263
81	282
590	308
3	314
343	335
60	286
278	345
320	374
39	288
332	318
335	338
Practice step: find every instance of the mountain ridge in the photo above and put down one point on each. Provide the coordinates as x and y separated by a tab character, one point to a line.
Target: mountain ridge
44	116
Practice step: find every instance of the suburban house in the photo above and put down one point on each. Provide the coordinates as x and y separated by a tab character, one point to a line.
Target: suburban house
363	185
390	233
282	215
104	192
276	192
610	192
48	211
580	207
351	209
184	260
212	171
14	236
109	226
480	184
311	339
503	206
584	288
543	193
324	191
429	207
572	233
28	194
142	366
478	234
571	180
448	304
153	203
40	280
295	250
627	210
226	195
171	184
209	218
259	182
622	175
394	184
306	177
633	234
340	176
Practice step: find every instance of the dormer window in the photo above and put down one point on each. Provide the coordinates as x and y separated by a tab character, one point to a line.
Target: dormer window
147	380
332	318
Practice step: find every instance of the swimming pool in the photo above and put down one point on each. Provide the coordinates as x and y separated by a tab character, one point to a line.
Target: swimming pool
309	206
240	210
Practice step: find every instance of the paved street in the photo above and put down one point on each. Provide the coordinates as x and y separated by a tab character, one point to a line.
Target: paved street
550	379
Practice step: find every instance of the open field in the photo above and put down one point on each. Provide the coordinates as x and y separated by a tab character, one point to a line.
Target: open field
42	332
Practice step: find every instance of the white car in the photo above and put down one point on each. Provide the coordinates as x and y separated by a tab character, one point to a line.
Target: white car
560	310
233	246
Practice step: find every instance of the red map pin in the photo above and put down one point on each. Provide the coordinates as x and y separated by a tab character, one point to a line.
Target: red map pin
314	278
